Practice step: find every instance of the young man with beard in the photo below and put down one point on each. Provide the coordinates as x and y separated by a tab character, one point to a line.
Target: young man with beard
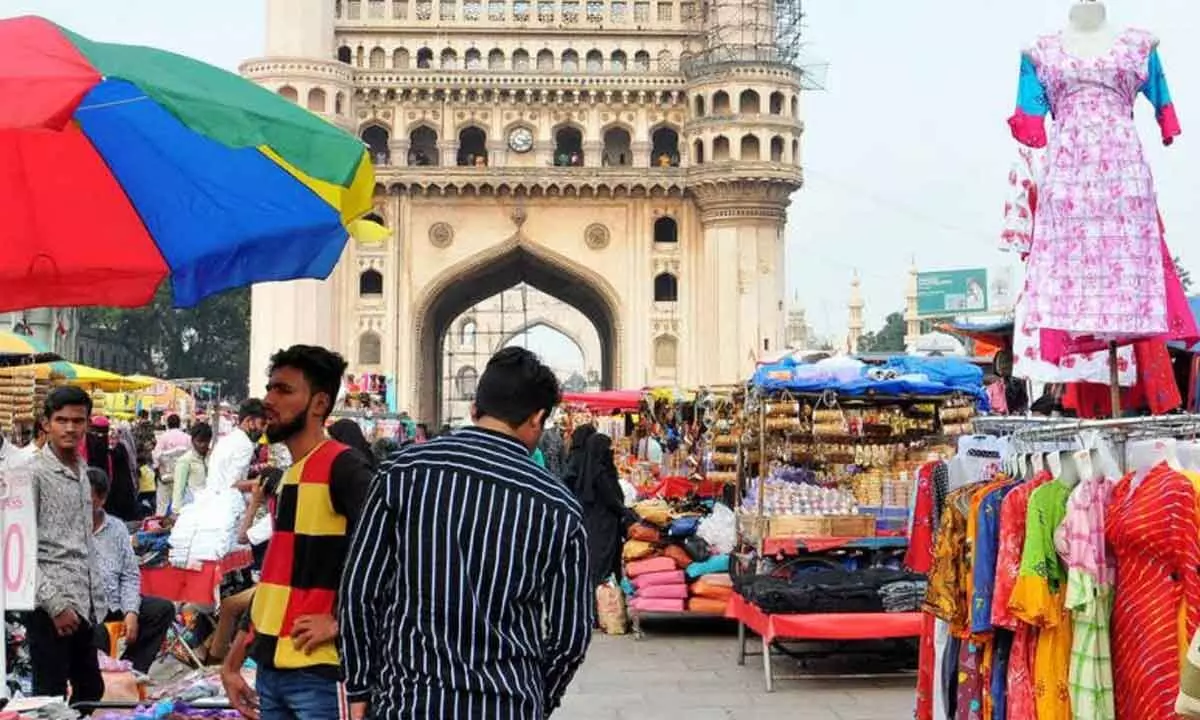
293	631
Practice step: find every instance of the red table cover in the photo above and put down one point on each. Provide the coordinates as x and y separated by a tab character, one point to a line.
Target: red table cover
199	586
823	626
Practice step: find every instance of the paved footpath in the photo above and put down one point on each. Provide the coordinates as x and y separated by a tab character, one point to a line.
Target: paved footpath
682	676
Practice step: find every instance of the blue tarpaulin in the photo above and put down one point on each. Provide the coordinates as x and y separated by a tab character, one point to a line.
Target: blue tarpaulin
929	376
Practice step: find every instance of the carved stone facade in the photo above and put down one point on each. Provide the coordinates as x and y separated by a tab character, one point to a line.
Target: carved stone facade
575	147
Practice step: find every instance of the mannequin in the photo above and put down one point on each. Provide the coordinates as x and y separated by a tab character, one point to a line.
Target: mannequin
1069	473
1088	33
1085	463
1143	455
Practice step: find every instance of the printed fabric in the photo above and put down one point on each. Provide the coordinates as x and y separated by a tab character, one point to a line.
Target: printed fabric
1038	599
946	596
1080	542
1021	205
1096	263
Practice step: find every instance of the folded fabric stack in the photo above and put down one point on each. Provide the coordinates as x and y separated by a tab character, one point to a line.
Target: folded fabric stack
671	568
206	528
903	596
833	591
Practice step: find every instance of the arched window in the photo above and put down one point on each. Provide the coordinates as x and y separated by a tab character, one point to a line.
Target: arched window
370	349
720	103
496	60
750	148
619	61
776	149
287	92
595	61
378	59
698	152
749	103
466	334
400	59
776	103
796	152
568	147
339	103
570	61
666	288
370	283
521	60
424	59
664	147
545	60
666	352
449	59
720	152
795	106
423	147
474	59
472	147
376	139
618	150
345	55
316	100
641	61
699	106
467	380
666	230
666	61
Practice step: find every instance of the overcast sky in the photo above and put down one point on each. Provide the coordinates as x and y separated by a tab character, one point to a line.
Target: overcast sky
906	150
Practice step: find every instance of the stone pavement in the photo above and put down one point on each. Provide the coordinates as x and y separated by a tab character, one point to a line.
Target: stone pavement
683	674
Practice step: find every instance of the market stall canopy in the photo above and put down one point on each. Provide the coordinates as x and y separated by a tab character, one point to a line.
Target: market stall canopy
90	378
899	375
996	333
18	349
173	168
605	400
938	343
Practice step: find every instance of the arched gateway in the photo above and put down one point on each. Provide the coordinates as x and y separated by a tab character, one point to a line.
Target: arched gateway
607	168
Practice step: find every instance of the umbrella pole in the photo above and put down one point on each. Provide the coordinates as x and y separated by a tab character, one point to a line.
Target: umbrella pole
1114	380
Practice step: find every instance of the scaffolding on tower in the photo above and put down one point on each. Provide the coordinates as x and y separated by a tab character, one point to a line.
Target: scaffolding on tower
740	32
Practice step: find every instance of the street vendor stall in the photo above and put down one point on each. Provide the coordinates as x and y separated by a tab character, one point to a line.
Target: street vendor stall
834	450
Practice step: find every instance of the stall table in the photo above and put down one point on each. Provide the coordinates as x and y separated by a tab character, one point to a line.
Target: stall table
773	628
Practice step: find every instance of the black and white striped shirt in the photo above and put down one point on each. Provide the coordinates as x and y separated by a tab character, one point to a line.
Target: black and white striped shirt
465	593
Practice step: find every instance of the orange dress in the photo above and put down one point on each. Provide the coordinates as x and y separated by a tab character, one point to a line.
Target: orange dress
1154	535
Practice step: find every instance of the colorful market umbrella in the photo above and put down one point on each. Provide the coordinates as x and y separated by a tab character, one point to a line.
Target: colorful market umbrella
122	165
91	378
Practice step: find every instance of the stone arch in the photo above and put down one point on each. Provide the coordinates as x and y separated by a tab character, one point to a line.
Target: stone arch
698	152
751	148
796	152
472	145
377	60
720	103
400	59
370	283
699	112
720	149
425	58
666	230
664	145
594	61
449	59
569	61
749	103
568	144
541	322
641	61
666	288
520	60
617	141
466	380
287	92
473	59
377	138
423	145
545	59
619	61
496	59
317	100
795	105
339	103
370	348
345	55
776	103
777	149
459	287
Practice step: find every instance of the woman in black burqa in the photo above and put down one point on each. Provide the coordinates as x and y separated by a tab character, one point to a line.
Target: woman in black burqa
599	492
570	473
348	433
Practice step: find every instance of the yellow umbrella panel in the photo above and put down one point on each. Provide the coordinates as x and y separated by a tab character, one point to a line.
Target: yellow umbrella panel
91	378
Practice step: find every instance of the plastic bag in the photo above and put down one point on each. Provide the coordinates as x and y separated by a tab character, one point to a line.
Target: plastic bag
719	530
610	608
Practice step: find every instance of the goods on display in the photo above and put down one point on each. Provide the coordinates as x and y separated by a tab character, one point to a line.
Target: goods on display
18	397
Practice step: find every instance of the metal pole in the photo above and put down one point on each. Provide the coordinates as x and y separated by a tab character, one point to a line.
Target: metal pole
1114	380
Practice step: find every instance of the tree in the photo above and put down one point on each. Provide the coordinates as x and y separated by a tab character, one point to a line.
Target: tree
890	338
1185	277
211	340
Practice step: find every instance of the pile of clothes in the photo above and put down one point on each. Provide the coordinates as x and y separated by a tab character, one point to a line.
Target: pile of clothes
676	557
206	529
835	590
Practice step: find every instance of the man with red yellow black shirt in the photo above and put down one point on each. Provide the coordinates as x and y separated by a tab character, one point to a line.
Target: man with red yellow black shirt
293	629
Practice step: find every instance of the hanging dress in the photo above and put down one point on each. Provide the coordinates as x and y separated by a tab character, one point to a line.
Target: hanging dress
1096	268
1153	534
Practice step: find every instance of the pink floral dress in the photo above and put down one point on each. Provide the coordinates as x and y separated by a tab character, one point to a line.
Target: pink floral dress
1096	266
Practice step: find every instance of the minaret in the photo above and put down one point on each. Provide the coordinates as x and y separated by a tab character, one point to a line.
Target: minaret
742	145
912	323
300	62
797	326
855	324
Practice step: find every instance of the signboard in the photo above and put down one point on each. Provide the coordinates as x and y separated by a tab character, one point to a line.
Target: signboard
18	538
952	292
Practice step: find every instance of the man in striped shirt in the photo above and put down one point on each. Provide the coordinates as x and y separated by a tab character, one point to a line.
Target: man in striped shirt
466	592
